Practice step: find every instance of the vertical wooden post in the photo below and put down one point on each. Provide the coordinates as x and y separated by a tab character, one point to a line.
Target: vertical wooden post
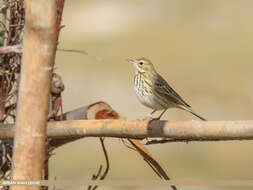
33	96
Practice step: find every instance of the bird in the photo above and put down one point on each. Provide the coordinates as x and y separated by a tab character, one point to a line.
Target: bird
153	91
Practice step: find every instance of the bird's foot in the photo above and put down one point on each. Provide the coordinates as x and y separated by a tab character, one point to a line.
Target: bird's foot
147	118
152	118
156	118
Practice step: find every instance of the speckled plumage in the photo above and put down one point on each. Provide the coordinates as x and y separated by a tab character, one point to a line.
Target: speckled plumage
153	91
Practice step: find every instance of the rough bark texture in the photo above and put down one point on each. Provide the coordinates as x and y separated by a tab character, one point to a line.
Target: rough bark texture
33	98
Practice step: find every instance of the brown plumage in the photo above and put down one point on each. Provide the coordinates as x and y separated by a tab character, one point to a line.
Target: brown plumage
153	91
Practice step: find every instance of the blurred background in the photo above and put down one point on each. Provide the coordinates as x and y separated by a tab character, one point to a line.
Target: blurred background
202	48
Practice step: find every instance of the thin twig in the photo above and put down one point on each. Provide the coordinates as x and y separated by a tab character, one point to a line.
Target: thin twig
73	50
107	164
106	158
11	49
94	177
3	7
162	141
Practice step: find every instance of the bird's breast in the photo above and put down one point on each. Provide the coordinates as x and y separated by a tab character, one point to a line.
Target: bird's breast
143	91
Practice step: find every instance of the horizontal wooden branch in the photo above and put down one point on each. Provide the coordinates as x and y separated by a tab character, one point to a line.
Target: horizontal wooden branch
177	130
11	49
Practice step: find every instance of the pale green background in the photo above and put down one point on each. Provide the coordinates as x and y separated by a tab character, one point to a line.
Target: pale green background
203	48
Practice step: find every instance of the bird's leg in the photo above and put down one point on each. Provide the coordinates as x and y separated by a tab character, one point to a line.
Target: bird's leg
153	111
150	115
159	117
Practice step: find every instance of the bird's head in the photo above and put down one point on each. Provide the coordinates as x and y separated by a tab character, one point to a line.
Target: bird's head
142	65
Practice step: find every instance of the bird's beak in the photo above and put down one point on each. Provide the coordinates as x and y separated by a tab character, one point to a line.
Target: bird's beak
130	61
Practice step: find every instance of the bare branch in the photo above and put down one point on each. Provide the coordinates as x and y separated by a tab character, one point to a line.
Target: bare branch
155	166
138	129
11	49
107	166
73	51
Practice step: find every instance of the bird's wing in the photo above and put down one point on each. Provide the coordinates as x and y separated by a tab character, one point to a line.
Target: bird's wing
162	87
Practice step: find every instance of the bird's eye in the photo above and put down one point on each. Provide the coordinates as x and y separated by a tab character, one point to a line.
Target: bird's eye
141	63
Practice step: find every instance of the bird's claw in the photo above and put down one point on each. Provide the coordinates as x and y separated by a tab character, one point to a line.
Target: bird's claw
151	118
147	118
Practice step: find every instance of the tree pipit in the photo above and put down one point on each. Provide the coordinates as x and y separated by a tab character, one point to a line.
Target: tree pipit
153	91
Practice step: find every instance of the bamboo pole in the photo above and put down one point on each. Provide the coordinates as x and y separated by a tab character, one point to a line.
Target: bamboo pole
37	65
179	131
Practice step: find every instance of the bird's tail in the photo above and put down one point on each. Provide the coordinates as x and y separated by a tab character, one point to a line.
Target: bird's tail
192	112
